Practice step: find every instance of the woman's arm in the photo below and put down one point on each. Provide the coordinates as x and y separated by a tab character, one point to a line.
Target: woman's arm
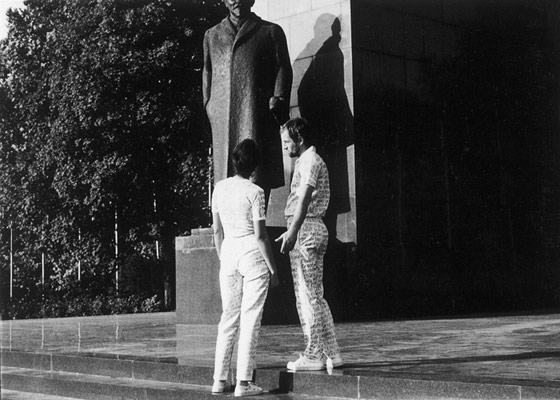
263	242
218	232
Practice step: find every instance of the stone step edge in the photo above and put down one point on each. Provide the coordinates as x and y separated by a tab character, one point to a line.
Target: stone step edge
84	386
116	365
19	395
389	385
108	365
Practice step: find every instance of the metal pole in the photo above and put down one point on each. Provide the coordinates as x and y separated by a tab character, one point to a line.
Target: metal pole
43	265
116	250
155	213
11	263
43	269
79	261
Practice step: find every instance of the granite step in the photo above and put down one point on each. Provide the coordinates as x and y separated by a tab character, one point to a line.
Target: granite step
348	383
96	387
109	365
16	395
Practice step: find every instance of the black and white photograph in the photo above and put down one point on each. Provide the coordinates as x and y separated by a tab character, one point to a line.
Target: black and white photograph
279	199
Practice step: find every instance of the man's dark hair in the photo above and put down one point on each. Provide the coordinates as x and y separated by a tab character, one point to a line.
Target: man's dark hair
245	158
299	128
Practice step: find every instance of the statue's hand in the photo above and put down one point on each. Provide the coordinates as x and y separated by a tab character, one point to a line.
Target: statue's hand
279	109
274	102
274	281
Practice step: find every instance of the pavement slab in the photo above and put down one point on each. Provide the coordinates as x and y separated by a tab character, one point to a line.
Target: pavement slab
504	349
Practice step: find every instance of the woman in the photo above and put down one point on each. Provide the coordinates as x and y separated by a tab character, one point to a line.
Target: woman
246	269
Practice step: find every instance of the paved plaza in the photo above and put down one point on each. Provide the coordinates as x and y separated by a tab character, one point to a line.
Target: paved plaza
506	349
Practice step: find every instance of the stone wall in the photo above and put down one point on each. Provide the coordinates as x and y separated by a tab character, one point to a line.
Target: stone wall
320	45
456	147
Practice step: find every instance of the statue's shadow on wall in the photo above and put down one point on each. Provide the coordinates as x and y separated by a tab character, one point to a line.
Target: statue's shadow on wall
321	96
322	101
320	93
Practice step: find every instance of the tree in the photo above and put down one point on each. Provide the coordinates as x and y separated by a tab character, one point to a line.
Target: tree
101	126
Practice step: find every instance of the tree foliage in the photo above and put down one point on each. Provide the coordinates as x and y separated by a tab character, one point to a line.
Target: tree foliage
101	125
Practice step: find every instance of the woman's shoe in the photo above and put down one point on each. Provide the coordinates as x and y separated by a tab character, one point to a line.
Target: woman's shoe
220	387
249	390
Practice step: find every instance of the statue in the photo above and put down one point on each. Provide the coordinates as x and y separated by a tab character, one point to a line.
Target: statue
246	86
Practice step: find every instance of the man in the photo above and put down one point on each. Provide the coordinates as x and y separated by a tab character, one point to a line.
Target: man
246	86
306	241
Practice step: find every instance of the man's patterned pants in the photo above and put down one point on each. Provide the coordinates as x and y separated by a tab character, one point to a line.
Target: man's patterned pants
307	271
244	280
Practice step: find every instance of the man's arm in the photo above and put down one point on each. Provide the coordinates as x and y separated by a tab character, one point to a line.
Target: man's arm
290	236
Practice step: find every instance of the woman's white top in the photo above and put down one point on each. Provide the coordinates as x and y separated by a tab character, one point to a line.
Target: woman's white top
240	203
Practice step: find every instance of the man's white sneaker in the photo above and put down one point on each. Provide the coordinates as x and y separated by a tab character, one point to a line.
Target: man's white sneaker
334	362
250	390
305	364
221	387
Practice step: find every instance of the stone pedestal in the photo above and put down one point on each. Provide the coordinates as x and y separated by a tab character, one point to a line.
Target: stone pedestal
198	287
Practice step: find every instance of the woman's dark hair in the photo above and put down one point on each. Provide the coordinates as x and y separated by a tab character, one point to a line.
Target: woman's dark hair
245	158
299	128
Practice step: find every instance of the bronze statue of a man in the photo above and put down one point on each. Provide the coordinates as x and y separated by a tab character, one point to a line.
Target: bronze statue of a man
246	86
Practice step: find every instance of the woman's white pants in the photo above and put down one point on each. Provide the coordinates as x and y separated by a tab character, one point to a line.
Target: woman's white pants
244	281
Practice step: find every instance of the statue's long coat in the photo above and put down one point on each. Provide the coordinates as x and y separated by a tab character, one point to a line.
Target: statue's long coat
242	71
